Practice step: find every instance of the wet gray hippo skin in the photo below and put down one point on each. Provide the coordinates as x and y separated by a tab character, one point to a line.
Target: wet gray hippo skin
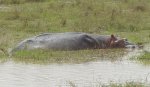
71	41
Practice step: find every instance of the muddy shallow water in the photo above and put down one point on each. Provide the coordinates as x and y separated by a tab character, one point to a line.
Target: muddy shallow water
14	74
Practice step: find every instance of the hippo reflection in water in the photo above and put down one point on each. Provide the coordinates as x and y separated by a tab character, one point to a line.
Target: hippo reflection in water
72	41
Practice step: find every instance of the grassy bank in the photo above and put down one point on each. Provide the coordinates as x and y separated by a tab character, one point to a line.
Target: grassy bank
145	58
20	19
81	56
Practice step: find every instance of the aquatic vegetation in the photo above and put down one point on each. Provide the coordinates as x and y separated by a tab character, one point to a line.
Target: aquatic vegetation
127	84
81	56
144	58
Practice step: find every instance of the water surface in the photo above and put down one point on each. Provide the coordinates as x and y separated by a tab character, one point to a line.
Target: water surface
89	74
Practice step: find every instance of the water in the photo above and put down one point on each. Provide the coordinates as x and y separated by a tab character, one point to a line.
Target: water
14	74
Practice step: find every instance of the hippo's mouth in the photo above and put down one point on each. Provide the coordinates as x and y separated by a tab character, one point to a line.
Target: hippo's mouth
126	44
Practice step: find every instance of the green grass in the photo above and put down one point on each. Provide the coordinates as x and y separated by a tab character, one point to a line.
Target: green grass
81	56
145	58
20	19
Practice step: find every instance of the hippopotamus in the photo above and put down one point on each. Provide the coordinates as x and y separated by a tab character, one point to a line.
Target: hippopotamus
72	41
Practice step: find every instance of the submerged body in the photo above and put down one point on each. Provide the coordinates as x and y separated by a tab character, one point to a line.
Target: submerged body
71	41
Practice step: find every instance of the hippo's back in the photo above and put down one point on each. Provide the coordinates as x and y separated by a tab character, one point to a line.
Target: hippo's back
63	41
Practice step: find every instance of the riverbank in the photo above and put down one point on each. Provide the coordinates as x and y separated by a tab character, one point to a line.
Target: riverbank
22	19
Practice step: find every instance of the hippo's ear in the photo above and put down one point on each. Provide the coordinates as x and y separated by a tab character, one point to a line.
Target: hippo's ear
112	36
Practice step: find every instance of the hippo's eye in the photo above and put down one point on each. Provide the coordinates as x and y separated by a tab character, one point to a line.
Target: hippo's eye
29	41
125	39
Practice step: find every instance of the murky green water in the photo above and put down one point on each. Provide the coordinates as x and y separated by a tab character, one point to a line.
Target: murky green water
89	74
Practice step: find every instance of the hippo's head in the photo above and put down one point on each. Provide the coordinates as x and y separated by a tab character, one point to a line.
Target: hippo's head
116	42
